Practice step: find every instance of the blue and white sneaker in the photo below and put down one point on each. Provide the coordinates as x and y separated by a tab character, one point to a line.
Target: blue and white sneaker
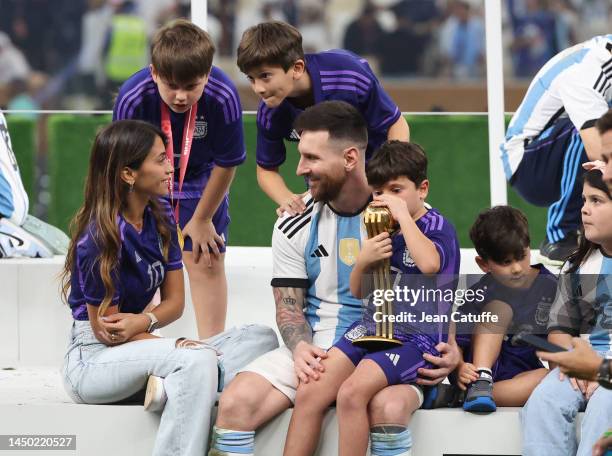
479	397
17	242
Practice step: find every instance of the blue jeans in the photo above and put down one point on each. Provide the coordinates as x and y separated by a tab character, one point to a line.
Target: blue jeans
548	418
96	374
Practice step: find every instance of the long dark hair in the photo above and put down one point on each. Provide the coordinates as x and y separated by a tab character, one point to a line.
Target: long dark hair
125	143
585	247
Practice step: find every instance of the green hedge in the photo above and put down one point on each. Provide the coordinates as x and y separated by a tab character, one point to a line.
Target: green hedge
70	140
23	138
458	169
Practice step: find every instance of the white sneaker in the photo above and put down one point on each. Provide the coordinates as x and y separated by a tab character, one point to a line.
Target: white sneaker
155	397
17	242
52	237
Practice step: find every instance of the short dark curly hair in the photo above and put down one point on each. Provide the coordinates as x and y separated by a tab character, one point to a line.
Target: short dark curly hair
499	233
394	159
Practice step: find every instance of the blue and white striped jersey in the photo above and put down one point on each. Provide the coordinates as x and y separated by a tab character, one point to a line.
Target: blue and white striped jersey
576	83
583	304
317	251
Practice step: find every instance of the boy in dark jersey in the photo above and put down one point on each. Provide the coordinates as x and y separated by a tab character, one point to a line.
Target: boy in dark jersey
198	108
288	81
518	295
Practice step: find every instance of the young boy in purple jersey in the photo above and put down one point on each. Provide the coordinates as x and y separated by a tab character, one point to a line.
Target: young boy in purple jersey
426	244
288	81
198	108
518	295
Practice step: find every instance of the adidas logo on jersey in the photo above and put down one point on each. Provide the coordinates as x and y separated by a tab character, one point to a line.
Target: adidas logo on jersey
319	252
138	259
294	136
394	357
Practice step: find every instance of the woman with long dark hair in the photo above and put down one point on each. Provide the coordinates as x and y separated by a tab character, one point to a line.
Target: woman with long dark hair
124	248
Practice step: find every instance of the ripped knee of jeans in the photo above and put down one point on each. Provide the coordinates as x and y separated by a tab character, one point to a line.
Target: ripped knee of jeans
183	342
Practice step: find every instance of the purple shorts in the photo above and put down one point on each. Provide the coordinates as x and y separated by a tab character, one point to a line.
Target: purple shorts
400	364
221	219
513	361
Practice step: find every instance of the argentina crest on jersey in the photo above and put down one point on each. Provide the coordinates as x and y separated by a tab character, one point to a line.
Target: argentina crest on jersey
349	249
543	310
201	128
356	333
407	259
606	317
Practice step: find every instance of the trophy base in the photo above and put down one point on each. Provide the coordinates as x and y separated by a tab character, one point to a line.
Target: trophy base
376	343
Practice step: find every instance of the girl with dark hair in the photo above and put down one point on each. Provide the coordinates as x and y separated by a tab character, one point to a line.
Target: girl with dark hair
124	248
582	306
591	233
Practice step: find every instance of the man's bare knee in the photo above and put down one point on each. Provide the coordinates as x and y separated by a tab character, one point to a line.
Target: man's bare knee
238	404
249	401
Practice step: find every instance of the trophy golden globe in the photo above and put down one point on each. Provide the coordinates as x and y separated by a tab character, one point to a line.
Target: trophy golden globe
378	220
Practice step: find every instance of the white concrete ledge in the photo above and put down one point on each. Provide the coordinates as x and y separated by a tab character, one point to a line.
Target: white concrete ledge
32	401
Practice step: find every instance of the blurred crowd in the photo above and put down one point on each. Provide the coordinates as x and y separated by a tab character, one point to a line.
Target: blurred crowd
74	54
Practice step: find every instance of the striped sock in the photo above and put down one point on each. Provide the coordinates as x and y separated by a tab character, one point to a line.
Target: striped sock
484	373
391	440
226	442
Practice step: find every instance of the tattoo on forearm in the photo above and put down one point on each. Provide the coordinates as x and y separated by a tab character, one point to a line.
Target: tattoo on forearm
290	317
289	301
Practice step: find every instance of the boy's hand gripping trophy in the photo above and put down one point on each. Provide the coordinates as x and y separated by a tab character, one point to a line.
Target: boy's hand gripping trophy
377	220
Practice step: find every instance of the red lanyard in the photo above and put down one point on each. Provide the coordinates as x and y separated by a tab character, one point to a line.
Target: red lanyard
188	130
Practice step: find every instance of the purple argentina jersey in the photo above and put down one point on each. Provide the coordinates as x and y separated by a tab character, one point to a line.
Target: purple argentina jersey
401	364
530	307
443	235
218	138
530	312
439	231
141	271
336	75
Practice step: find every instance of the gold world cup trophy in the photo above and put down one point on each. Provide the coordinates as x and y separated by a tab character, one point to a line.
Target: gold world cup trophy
378	220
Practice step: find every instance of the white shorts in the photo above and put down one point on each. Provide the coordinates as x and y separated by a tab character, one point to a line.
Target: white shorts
276	366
